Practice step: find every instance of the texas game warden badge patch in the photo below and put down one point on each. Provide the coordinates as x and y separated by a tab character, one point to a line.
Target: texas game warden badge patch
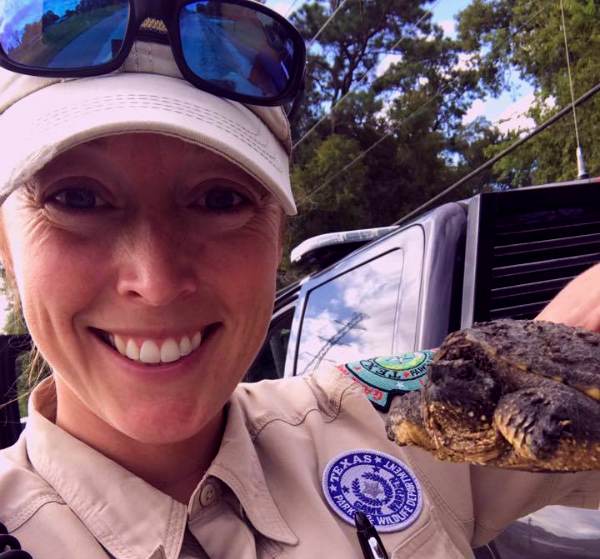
375	483
381	378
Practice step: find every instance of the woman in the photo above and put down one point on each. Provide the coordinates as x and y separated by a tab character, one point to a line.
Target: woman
142	229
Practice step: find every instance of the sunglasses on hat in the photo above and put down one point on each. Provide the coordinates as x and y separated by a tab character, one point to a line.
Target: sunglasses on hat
237	49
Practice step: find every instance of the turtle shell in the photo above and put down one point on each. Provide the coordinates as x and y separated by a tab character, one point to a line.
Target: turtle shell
515	394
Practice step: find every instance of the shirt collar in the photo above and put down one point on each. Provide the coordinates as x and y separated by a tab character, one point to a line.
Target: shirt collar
106	497
238	466
128	516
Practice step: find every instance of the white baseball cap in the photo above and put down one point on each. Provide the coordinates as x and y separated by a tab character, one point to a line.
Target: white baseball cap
43	117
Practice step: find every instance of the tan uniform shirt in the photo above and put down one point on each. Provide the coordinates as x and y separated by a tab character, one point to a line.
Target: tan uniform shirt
262	497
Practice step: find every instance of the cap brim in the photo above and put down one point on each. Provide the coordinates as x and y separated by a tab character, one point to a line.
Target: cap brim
65	114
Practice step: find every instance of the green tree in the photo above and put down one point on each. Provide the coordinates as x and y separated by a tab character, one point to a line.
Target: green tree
402	125
526	37
14	322
349	47
339	199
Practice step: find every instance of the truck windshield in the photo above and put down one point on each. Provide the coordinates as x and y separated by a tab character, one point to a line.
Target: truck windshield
352	316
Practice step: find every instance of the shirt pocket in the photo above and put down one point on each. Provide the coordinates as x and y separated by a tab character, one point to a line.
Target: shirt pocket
430	541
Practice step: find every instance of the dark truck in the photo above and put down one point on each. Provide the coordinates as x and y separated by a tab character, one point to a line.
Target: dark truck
404	288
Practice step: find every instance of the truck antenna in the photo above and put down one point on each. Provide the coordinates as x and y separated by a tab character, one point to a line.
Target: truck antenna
581	170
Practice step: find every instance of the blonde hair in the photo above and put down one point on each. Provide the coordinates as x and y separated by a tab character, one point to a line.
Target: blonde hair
36	368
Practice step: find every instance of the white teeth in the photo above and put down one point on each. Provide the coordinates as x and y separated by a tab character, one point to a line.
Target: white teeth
149	353
196	340
169	351
132	350
119	343
185	346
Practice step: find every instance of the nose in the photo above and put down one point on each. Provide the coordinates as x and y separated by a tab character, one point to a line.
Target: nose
156	266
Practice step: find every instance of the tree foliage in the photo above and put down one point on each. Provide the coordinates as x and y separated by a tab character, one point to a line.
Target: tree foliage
387	88
381	129
14	322
526	37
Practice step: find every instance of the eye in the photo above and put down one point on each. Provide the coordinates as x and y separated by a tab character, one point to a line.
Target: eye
223	199
77	199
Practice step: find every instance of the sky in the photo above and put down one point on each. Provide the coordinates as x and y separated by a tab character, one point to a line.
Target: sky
27	12
507	110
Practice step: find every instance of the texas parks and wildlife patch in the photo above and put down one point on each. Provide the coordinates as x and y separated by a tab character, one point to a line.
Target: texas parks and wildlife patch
377	484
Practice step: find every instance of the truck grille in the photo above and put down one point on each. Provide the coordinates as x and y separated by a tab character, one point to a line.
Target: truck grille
531	243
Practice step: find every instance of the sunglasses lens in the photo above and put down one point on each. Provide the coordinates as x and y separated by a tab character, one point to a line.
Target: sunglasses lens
237	48
66	34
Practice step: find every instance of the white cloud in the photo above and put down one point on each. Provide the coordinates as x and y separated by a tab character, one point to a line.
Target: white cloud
386	62
280	7
465	61
372	289
448	26
388	103
507	118
476	110
514	117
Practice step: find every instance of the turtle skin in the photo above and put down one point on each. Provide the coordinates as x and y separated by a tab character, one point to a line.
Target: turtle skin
510	393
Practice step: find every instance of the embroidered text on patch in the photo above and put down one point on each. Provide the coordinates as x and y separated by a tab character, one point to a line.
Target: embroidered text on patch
375	483
383	377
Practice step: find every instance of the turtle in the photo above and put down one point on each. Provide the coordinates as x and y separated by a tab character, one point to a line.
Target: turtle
518	394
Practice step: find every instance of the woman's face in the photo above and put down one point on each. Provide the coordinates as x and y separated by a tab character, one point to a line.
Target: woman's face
143	244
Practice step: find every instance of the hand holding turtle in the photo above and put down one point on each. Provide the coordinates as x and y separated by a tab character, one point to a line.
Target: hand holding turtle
515	394
578	304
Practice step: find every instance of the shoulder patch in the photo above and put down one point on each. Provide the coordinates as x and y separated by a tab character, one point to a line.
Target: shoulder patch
381	378
377	484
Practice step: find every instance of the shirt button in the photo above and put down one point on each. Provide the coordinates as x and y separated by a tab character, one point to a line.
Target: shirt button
209	494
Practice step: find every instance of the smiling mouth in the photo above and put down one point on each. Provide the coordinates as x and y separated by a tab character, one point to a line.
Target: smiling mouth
151	351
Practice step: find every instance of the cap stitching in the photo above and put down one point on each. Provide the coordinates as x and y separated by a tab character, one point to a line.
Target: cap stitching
276	120
147	101
200	113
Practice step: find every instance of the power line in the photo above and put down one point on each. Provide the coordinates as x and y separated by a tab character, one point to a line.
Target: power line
377	142
290	8
327	22
356	85
372	146
353	323
566	110
366	74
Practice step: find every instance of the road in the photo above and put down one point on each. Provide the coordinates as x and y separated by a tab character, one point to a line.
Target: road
96	41
219	59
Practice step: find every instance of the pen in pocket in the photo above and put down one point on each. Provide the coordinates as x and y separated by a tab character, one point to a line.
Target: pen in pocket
369	539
